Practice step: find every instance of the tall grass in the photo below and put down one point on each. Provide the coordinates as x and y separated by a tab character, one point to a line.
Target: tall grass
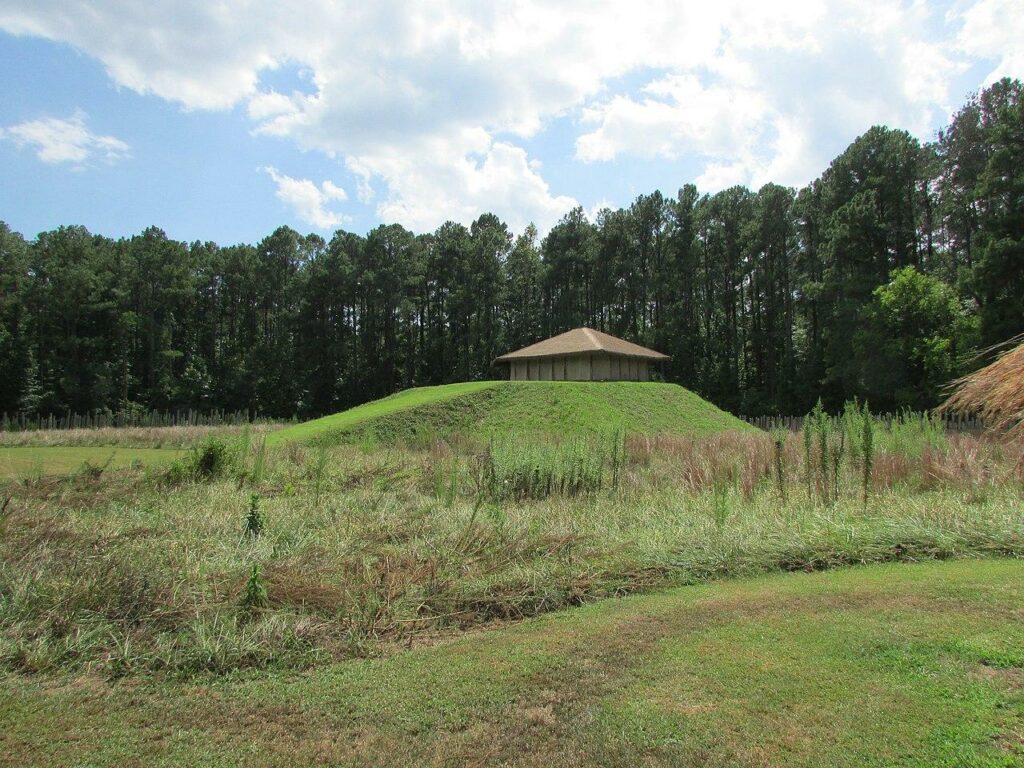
537	469
126	573
912	434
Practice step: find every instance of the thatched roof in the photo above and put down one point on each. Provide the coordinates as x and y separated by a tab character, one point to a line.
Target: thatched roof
995	393
582	340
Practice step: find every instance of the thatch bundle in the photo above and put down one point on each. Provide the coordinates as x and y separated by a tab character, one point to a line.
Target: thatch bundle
995	393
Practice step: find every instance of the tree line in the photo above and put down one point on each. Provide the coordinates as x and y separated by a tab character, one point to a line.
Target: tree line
881	280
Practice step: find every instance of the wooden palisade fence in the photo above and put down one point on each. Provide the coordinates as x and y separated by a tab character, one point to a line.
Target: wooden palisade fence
795	423
20	422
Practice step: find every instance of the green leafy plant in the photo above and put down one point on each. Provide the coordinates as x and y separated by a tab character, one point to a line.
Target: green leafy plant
255	594
254	522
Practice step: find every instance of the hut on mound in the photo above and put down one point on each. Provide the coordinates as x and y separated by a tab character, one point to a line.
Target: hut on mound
581	354
995	393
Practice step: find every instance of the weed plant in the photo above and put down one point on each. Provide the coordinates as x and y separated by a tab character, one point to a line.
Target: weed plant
254	519
255	593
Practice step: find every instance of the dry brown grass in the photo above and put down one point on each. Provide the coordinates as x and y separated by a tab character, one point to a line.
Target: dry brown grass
731	458
995	393
744	461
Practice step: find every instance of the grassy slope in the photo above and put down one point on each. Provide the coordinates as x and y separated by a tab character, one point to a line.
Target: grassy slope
345	421
38	461
482	409
911	665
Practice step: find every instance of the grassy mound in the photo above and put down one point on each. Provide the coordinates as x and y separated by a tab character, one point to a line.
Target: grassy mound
486	409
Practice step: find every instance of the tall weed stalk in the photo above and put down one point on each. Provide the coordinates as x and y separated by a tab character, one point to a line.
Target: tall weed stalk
867	450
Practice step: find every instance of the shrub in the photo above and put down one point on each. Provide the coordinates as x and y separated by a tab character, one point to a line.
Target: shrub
211	459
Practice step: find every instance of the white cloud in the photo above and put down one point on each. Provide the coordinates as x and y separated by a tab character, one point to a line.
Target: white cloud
437	180
265	105
777	107
58	141
307	201
675	114
430	105
733	130
994	30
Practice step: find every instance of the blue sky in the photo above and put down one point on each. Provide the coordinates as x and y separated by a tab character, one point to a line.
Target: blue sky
222	121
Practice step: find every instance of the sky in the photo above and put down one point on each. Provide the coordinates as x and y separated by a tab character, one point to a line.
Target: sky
224	120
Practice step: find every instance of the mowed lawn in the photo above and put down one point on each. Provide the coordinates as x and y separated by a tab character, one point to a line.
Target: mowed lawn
35	461
901	665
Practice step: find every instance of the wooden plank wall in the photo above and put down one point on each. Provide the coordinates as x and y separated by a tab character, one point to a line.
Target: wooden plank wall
587	366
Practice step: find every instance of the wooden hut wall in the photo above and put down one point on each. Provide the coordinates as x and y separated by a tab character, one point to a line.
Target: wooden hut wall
578	367
586	366
558	368
544	369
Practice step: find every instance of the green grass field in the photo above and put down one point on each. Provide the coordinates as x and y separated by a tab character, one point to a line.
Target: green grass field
481	410
36	461
899	665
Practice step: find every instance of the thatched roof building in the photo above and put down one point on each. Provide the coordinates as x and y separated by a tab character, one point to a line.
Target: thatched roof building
581	354
995	393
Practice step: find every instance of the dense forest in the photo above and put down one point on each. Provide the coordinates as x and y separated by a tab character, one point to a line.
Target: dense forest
881	279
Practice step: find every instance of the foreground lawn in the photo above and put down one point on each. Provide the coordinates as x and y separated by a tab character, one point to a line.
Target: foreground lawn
912	665
35	461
